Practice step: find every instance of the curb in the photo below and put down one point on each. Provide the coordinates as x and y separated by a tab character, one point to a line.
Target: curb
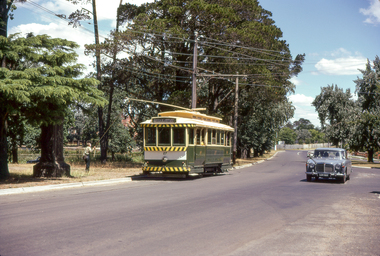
258	162
12	191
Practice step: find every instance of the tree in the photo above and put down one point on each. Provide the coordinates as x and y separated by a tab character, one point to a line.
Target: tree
120	139
335	110
316	136
287	135
161	38
303	135
6	12
303	123
107	81
37	81
366	133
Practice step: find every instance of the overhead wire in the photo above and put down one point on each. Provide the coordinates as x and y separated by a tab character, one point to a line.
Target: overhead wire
189	70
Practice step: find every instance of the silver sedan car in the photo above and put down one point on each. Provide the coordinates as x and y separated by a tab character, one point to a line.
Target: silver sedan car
329	163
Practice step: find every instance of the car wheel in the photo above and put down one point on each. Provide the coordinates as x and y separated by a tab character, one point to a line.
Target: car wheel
308	177
343	179
316	178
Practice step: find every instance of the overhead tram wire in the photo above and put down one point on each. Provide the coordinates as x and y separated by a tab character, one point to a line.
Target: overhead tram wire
254	58
273	55
245	47
149	57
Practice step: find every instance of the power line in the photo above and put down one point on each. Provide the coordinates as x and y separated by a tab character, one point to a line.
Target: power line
164	35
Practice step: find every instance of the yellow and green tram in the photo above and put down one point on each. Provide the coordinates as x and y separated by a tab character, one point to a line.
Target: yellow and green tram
185	143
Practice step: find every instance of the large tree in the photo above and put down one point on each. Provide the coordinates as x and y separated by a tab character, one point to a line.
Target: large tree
366	133
335	108
38	81
161	38
105	71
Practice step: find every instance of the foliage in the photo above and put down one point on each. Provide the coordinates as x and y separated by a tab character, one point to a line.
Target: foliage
287	135
32	138
120	140
37	81
160	38
316	136
352	123
335	110
366	133
303	124
303	136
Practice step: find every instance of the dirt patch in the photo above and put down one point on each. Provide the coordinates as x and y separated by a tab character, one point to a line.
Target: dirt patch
22	175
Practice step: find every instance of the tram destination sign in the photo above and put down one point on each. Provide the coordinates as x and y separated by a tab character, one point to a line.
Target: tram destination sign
164	120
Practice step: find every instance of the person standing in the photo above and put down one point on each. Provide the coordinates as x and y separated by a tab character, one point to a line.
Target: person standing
86	155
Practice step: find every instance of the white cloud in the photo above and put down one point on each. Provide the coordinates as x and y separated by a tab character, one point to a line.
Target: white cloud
304	109
341	66
301	100
296	81
60	30
372	13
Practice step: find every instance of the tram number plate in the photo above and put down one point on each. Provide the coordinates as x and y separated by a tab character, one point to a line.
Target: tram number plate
323	175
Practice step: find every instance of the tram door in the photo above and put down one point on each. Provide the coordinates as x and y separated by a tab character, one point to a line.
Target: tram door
200	147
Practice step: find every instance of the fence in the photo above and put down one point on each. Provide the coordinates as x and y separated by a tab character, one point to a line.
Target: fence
303	146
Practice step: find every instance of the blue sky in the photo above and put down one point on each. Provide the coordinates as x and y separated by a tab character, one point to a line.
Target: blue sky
337	36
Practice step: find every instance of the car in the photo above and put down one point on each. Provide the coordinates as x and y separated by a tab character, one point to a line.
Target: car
37	160
329	163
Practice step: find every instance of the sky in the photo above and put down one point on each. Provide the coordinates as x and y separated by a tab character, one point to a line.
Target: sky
337	37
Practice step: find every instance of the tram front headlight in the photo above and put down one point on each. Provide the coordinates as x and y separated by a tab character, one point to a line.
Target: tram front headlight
164	159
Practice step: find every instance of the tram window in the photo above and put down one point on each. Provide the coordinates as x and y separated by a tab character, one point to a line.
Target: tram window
218	137
198	137
203	139
163	136
209	136
213	137
150	136
191	136
222	138
228	138
179	136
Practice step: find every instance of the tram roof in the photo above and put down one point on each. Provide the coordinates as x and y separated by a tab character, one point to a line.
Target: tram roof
183	117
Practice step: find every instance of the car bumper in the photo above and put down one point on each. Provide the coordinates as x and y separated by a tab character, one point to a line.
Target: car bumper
325	174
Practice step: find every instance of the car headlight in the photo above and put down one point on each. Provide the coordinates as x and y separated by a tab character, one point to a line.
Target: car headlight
338	167
311	166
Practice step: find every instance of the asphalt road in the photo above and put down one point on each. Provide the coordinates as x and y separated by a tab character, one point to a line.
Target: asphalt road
266	209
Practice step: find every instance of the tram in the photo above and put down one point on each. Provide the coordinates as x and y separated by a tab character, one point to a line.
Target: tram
183	143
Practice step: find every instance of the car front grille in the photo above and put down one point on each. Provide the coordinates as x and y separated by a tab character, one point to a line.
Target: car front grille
325	168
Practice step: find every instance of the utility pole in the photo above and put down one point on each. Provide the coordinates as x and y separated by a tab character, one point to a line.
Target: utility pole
194	88
235	119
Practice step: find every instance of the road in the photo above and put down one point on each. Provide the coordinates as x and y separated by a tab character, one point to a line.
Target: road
265	209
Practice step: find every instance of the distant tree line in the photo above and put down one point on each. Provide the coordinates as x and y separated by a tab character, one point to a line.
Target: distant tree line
301	132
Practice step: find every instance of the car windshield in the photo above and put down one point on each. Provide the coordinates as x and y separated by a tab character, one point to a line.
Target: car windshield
328	154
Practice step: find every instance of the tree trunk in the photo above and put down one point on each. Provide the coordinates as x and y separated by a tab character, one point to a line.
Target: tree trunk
4	172
4	10
52	162
244	154
103	139
370	155
15	154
